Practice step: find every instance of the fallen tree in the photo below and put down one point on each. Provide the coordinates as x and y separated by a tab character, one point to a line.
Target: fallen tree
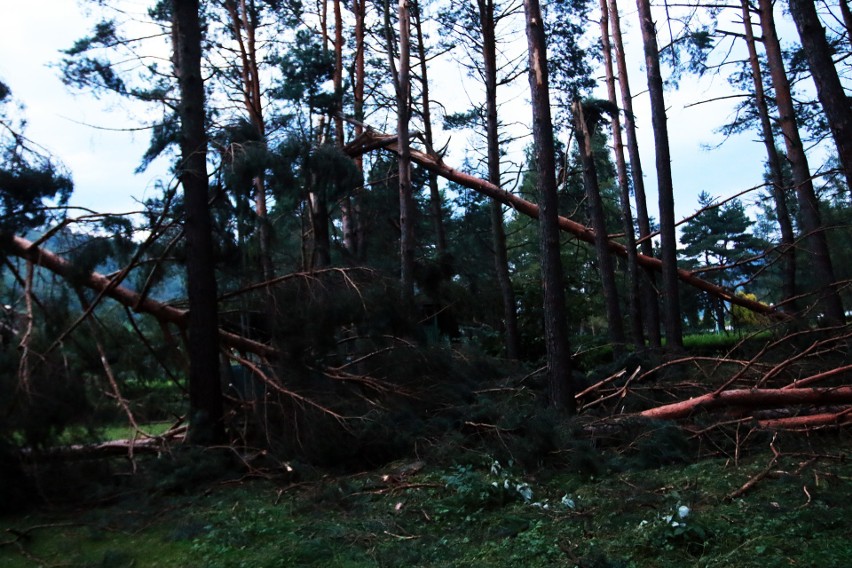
163	312
751	398
372	140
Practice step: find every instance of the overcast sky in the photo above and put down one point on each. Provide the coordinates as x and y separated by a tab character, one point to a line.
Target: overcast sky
102	162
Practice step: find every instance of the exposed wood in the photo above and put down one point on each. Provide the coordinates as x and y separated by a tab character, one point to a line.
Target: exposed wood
822	420
751	398
372	140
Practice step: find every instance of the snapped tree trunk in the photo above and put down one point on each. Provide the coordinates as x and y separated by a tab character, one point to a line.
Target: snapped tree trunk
205	394
668	238
648	284
624	189
501	257
831	94
590	180
785	224
561	386
811	224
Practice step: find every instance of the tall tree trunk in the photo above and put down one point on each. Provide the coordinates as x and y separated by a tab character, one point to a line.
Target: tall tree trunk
668	238
501	257
243	26
434	195
615	325
359	7
624	190
320	250
811	223
347	208
785	224
830	92
648	285
406	201
205	394
561	386
318	215
847	21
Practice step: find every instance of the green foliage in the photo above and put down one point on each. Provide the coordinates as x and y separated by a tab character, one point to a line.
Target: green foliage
449	517
28	177
307	67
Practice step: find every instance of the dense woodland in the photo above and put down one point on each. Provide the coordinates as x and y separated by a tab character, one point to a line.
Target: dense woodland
325	280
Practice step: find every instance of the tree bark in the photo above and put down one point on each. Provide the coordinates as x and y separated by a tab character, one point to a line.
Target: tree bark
624	190
830	92
561	386
492	135
785	224
648	285
435	199
406	201
607	272
847	22
811	223
751	398
205	394
359	7
243	25
668	238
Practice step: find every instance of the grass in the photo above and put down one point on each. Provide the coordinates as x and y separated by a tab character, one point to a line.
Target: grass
470	514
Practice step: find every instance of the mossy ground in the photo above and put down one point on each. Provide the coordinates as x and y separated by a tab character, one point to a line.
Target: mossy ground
468	514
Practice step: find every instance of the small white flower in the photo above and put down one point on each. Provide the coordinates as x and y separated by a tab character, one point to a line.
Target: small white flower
683	511
495	468
525	491
568	502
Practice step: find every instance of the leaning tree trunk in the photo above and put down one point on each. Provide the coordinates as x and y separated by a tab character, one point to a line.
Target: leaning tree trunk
372	140
590	180
492	135
785	224
624	187
205	394
668	238
561	387
831	94
406	201
811	223
648	286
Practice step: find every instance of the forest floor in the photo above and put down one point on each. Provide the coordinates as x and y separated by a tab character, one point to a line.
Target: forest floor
775	506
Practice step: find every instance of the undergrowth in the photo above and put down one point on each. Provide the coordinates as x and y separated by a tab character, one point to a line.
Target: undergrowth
478	513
